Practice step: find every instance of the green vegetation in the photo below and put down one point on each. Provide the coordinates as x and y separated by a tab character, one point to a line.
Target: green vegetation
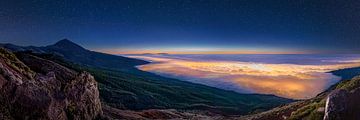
133	89
15	63
348	84
310	111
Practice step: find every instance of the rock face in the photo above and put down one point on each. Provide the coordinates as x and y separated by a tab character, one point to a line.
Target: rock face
343	105
35	88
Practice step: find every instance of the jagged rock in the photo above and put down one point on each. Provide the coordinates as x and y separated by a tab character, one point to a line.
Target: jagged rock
53	92
343	105
83	96
9	74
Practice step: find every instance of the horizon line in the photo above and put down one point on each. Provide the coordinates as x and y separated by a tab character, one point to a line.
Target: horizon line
197	52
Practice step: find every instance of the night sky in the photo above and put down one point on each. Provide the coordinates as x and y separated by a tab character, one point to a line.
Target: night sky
185	26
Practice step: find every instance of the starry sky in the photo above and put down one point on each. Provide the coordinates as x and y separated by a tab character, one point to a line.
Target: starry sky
186	26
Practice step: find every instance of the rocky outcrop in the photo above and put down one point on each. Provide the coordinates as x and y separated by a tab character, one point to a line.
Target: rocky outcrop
35	88
343	105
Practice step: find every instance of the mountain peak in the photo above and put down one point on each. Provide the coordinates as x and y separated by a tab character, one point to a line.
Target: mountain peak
67	44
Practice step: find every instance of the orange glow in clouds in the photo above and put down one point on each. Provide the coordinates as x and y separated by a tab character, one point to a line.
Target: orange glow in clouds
286	80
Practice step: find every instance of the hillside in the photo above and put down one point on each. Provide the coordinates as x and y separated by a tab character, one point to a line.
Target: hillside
34	88
123	86
339	102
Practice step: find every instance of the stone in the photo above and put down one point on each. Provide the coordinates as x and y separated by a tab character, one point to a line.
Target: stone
54	93
343	105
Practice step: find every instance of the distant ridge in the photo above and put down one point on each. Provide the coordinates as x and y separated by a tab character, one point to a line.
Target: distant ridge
73	52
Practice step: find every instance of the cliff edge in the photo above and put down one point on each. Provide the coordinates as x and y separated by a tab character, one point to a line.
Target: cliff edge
35	88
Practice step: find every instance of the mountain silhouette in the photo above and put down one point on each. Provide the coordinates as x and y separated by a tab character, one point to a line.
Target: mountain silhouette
68	45
73	52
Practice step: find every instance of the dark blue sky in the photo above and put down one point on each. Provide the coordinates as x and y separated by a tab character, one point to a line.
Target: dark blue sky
329	26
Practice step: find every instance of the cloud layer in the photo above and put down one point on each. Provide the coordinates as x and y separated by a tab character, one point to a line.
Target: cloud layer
286	80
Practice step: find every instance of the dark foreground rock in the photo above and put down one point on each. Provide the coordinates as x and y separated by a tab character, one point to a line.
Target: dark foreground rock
34	88
343	105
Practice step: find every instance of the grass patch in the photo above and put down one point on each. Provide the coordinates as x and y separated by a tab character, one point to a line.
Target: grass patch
349	84
309	112
11	60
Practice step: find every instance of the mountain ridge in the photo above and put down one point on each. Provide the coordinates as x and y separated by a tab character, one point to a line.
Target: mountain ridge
75	53
120	82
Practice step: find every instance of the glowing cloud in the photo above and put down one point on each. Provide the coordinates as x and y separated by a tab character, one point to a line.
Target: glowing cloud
286	80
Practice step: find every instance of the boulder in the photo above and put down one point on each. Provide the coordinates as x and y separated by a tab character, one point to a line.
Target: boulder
343	105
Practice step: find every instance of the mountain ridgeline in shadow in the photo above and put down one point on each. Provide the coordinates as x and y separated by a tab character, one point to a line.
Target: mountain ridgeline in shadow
75	53
122	86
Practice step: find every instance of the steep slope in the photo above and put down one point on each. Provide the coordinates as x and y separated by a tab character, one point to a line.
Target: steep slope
339	102
35	88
